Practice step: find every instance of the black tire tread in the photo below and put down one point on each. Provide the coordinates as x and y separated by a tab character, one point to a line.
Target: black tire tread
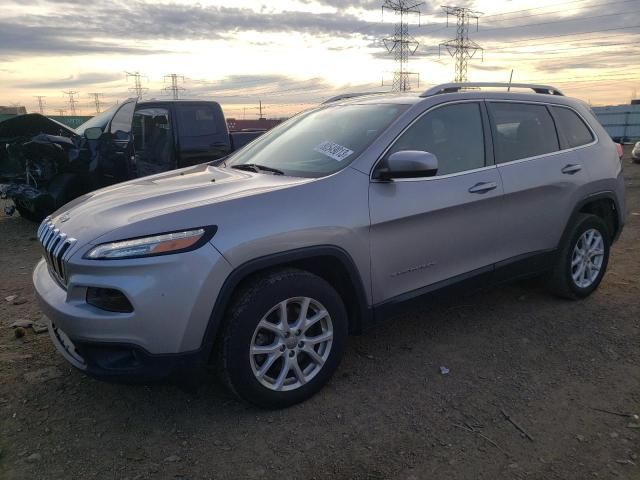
238	304
559	283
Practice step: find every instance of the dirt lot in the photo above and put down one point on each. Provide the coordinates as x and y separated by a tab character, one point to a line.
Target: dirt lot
388	413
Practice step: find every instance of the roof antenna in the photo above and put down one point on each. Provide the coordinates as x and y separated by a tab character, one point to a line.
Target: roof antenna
510	78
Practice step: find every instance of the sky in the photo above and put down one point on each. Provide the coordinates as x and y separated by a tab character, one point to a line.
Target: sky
294	54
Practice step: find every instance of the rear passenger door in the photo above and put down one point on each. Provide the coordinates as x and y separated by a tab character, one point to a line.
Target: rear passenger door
541	174
429	230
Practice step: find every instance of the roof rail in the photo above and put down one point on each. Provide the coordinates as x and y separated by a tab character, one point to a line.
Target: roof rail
344	96
456	87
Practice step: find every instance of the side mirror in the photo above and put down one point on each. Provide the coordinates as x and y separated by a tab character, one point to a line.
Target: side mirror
408	164
93	133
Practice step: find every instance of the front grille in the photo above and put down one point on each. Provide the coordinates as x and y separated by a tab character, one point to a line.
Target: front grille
55	245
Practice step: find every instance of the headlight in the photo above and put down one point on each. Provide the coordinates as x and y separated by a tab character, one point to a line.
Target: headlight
161	244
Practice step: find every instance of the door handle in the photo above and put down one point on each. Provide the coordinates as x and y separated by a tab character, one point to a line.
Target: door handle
483	187
571	169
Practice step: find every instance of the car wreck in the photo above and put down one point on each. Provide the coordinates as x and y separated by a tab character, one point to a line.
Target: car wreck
34	151
45	164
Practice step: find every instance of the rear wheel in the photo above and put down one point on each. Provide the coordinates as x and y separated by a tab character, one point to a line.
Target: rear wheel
583	258
283	338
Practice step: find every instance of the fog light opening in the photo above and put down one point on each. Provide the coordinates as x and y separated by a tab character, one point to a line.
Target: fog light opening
109	299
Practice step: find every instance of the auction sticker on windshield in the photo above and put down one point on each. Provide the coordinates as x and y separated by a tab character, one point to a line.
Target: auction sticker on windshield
333	150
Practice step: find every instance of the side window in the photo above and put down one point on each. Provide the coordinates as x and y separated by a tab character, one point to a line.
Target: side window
453	133
522	130
573	131
199	120
121	121
153	141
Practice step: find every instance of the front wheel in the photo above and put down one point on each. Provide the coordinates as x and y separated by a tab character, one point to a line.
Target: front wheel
283	338
583	258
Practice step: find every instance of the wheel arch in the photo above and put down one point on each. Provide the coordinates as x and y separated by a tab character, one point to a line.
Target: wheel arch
602	204
329	262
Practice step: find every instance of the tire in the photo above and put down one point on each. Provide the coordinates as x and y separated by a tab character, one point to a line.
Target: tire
27	214
36	209
260	302
563	280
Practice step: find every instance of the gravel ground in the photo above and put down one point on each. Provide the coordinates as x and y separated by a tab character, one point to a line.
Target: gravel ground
388	413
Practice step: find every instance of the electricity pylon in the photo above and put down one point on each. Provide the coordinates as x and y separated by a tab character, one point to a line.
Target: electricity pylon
461	47
72	101
40	104
402	45
137	88
174	88
96	101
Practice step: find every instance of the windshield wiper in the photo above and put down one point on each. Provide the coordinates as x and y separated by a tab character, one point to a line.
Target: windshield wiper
254	167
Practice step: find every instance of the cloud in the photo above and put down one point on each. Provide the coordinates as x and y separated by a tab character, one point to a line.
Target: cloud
141	21
79	80
279	89
130	27
17	38
489	68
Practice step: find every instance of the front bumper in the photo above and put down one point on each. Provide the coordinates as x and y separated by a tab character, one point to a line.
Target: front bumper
121	363
172	298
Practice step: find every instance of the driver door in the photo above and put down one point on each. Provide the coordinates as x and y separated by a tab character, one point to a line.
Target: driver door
115	147
428	231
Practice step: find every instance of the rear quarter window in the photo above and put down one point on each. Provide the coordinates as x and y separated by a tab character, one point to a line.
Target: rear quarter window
522	130
199	120
573	131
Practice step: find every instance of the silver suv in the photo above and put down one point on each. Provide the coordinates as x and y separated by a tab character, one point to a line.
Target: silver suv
264	263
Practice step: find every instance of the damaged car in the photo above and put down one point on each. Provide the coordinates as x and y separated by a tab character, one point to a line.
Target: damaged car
45	164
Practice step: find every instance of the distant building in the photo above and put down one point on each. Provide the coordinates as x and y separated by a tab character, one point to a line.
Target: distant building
236	125
622	122
13	110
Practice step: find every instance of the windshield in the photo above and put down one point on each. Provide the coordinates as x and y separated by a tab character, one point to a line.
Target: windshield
99	120
320	142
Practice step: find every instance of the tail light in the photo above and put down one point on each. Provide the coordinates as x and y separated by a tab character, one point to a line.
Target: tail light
620	151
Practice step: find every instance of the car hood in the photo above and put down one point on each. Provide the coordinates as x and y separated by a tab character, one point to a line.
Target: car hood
32	124
164	202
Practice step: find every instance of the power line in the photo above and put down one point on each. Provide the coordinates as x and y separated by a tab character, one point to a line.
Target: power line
260	109
462	47
600	79
630	44
40	103
569	35
72	101
552	6
568	40
174	88
564	11
557	21
402	45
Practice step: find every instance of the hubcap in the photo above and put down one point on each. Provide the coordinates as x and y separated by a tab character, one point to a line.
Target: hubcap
587	257
291	343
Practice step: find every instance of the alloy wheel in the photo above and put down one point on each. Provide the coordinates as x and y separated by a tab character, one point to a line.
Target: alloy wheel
291	343
587	258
